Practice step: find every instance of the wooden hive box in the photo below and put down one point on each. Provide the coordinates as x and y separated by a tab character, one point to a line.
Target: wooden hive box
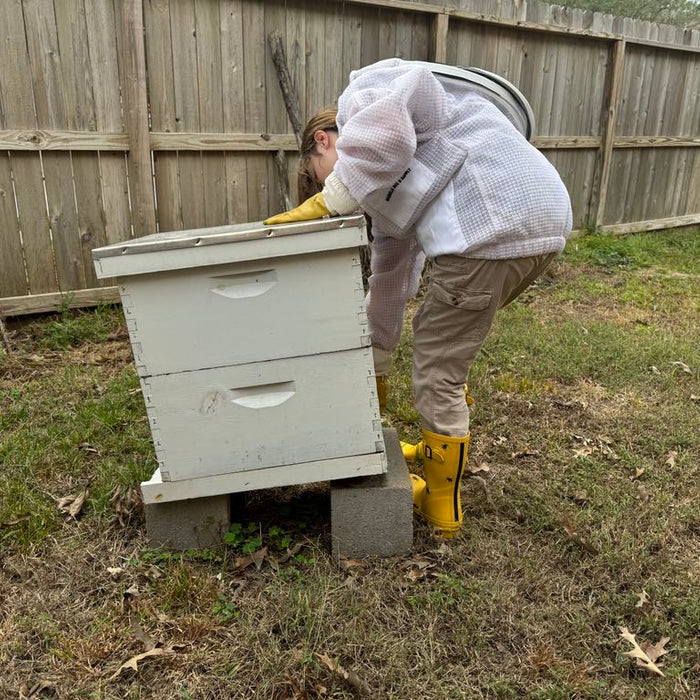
252	347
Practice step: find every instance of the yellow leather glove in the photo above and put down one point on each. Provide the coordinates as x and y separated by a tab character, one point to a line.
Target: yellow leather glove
313	208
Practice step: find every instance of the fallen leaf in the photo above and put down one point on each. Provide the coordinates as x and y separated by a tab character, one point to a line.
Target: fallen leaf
656	651
500	440
115	571
352	678
350	564
443	550
15	521
671	458
26	693
133	662
655	370
73	504
580	496
574	536
643	491
637	473
127	505
694	398
257	558
481	467
87	447
148	642
289	553
640	656
643	600
524	453
683	367
583	452
418	568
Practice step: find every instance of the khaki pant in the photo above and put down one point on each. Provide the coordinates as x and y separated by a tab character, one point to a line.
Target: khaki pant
451	325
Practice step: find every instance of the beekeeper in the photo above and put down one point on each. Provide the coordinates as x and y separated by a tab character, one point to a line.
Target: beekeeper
443	166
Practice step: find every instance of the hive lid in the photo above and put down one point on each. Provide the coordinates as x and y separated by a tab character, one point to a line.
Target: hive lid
232	233
232	243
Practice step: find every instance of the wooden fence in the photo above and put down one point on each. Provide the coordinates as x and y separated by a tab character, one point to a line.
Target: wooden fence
118	117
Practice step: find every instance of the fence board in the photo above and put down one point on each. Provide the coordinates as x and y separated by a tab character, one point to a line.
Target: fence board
104	64
45	67
78	81
233	81
18	110
276	111
255	113
159	56
184	47
211	107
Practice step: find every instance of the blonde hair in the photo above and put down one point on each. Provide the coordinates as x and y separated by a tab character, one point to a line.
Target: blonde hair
323	120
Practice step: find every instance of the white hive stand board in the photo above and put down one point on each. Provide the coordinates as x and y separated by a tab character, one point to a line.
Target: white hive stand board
252	346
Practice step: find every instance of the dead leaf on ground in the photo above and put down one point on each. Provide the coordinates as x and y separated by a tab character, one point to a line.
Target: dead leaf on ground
573	534
524	453
683	367
27	693
257	558
87	447
644	599
643	658
655	370
656	651
145	639
418	568
276	561
350	676
127	505
639	471
481	467
500	440
351	566
583	452
128	596
73	504
15	521
133	662
580	496
115	571
695	399
671	458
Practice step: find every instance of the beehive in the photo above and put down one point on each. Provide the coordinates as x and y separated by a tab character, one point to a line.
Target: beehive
252	347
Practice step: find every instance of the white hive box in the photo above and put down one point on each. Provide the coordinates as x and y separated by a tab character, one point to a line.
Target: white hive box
252	347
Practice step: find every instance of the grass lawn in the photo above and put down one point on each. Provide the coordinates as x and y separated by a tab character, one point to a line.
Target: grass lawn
582	516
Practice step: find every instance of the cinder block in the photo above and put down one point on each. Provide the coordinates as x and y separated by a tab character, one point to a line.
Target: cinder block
373	515
195	523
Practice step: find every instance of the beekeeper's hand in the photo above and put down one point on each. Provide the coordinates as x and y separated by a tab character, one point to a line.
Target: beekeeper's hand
333	200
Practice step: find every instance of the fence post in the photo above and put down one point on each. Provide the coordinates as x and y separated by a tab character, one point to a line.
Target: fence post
136	103
438	37
616	71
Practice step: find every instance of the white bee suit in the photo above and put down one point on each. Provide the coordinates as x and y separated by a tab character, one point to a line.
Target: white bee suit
441	171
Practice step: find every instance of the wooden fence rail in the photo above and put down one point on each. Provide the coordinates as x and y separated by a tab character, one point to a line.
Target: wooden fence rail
121	117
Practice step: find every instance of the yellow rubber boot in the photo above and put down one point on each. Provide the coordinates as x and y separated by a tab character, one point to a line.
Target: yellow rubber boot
437	497
412	453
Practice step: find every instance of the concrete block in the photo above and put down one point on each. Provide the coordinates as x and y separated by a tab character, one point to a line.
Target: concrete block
373	515
195	523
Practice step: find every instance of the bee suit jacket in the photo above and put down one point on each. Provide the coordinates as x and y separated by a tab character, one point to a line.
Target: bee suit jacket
441	170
